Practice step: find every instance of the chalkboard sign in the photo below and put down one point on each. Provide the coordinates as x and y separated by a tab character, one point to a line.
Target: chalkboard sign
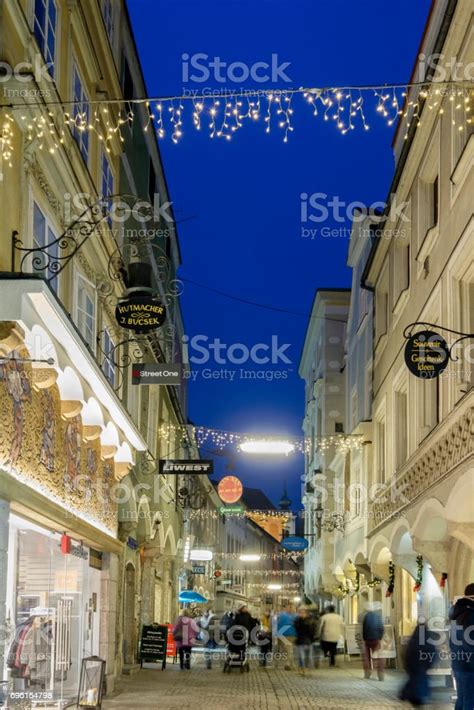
153	644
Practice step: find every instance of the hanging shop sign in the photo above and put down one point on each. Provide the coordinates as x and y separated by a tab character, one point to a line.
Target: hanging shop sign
142	314
199	569
185	466
132	543
294	543
153	644
426	354
156	374
235	509
230	489
68	547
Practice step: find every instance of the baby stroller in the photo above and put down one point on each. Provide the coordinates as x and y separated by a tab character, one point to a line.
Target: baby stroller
236	656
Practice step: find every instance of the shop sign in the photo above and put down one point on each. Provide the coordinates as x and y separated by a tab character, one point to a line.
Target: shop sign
132	543
294	543
95	558
199	569
186	466
231	509
80	551
426	354
230	489
153	644
156	374
142	314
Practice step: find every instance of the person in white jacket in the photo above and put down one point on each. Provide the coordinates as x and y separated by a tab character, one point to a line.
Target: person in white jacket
331	630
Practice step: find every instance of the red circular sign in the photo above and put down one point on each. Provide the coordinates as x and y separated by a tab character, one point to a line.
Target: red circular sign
230	489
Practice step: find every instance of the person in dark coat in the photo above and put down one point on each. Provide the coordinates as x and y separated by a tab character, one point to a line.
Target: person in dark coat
238	633
461	643
305	635
422	654
372	635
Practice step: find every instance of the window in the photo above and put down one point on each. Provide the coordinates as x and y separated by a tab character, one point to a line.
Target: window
86	310
381	311
380	457
108	365
462	122
428	393
108	15
128	88
81	113
44	28
401	427
428	202
107	185
151	182
43	235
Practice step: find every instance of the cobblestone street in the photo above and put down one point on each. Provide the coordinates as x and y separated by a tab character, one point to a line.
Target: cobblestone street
260	689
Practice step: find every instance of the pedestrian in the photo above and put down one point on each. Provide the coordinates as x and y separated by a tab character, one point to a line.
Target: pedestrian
421	655
185	632
462	648
330	631
286	634
305	635
372	635
238	634
209	635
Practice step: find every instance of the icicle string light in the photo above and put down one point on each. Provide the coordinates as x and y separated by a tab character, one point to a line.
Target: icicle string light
48	123
220	439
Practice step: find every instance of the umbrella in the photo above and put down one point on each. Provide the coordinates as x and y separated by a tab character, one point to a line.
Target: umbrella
190	595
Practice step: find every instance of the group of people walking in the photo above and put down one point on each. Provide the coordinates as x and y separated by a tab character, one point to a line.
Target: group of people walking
297	633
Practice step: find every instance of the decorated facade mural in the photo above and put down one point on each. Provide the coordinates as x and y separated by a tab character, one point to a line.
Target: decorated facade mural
43	448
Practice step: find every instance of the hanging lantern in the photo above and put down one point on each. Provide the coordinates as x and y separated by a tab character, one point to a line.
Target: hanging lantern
91	684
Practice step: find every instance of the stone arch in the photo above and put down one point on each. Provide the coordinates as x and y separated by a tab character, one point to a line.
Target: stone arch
144	529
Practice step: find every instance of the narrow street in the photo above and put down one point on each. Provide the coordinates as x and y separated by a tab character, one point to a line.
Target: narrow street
260	689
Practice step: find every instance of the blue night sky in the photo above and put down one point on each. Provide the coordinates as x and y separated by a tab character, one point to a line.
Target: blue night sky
240	199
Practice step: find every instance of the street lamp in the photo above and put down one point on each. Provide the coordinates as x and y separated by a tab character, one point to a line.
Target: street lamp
329	520
266	446
274	587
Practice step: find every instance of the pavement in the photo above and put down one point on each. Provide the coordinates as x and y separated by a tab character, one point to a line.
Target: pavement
268	688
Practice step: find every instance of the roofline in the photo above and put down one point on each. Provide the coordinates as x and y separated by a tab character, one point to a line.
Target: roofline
451	7
142	76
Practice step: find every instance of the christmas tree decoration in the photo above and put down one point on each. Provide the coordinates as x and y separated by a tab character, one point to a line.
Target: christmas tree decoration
419	573
391	579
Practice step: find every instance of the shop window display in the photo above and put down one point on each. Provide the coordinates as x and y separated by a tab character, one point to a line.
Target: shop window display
52	615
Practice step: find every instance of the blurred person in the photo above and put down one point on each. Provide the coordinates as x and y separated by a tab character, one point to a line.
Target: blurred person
372	635
286	636
330	631
208	623
461	643
421	655
305	636
185	633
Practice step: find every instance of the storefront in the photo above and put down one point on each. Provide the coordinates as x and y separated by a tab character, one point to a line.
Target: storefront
52	612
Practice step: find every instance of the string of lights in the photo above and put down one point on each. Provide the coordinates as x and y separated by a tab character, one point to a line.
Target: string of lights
221	439
207	513
263	556
262	572
49	121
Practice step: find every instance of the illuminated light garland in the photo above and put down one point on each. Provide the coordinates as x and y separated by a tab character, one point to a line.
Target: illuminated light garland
284	585
176	434
226	113
206	513
261	572
264	555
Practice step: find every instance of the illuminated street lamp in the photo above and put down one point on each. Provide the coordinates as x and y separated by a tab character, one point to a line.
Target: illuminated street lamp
266	446
200	555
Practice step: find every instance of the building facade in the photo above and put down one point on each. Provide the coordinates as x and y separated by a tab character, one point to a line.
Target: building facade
322	368
90	532
421	270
